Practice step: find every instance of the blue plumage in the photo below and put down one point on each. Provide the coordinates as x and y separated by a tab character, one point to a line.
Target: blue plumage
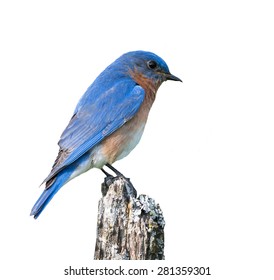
48	193
106	112
117	97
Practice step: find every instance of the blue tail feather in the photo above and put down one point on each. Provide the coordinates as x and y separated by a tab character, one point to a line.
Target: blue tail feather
60	180
49	193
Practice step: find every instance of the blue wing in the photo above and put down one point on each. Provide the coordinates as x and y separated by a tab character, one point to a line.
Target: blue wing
100	112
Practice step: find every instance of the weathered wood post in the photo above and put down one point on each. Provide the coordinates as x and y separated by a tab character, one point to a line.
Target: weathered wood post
128	228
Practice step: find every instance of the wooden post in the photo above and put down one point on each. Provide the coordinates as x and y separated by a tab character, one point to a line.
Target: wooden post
128	228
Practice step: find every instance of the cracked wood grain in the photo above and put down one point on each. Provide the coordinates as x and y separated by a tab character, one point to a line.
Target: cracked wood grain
128	228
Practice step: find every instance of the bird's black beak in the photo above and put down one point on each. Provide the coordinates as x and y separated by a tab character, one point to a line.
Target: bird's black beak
172	77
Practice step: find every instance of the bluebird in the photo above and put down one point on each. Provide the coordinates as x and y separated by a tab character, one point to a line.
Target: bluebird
108	120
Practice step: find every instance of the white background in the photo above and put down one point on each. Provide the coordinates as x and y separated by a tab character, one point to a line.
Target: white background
206	156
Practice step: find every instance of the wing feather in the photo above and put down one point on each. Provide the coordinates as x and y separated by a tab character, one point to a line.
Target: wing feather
96	117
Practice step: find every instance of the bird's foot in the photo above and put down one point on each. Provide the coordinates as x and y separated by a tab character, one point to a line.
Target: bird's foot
109	179
107	182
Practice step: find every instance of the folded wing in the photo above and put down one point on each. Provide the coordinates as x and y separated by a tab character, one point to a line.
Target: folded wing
97	115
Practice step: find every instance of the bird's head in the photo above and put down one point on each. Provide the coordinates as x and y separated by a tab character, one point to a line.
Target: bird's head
147	66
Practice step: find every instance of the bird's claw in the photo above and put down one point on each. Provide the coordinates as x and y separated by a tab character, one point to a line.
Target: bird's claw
109	180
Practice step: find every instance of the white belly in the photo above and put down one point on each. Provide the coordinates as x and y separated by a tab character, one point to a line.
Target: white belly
130	144
97	157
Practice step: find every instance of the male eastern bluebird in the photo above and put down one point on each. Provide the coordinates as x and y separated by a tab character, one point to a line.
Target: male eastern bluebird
108	120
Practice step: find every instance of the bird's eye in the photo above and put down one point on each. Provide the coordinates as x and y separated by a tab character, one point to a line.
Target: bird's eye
151	64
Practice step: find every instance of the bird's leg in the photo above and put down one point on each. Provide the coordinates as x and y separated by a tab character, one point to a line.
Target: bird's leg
106	173
107	181
119	174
